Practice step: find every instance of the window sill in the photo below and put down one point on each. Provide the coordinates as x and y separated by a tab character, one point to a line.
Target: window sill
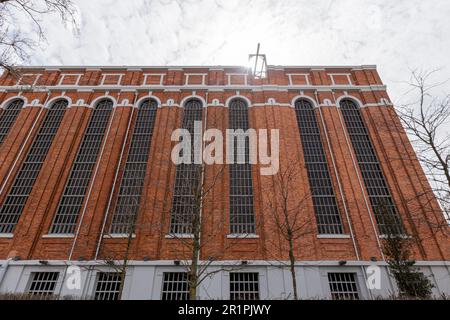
179	236
402	236
118	236
6	235
242	236
56	236
333	236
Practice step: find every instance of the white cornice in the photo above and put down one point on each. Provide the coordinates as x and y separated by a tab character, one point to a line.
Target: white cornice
200	87
217	67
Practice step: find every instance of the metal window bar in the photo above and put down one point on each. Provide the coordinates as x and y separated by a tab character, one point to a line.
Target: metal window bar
43	283
244	286
17	197
175	286
185	202
8	116
343	286
242	216
385	211
72	199
132	183
108	286
323	197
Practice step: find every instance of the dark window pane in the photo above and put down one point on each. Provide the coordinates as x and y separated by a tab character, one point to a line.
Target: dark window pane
75	190
324	200
385	211
16	199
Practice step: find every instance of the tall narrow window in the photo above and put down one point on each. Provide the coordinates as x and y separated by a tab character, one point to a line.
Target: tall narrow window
383	206
130	190
8	116
324	200
17	197
72	199
242	218
186	197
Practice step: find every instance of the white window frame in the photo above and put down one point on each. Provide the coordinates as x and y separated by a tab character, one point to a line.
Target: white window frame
161	78
63	75
306	75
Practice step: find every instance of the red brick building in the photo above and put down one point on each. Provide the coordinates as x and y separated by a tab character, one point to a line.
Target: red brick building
83	149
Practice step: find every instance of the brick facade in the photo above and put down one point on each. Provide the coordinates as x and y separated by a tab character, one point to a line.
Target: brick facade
271	108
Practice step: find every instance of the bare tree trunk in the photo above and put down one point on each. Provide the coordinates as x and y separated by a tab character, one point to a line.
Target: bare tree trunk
292	267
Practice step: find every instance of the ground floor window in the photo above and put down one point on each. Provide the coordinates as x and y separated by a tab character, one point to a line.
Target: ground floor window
175	286
244	286
108	286
343	286
43	283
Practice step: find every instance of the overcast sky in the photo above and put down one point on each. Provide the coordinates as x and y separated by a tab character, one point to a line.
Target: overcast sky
395	35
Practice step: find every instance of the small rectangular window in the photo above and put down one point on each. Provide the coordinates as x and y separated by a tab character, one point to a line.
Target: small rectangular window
244	286
343	286
175	286
43	283
108	286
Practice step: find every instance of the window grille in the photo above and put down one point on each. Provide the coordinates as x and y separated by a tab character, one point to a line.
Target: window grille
343	286
43	283
108	286
385	211
16	199
132	183
72	199
8	116
323	196
244	286
186	198
242	217
175	286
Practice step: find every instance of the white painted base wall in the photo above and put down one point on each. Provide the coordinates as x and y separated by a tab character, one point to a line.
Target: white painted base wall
144	279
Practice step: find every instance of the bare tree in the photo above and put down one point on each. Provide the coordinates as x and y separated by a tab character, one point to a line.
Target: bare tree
410	281
287	212
15	43
426	121
198	240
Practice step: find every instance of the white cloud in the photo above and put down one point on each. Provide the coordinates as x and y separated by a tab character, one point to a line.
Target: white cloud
395	35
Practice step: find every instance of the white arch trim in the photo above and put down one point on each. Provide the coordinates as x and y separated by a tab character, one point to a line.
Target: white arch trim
141	100
183	102
96	100
249	103
9	100
53	100
358	102
302	96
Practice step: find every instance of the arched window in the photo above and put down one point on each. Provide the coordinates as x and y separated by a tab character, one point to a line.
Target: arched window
16	199
242	217
381	201
8	117
186	202
324	200
132	183
66	216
